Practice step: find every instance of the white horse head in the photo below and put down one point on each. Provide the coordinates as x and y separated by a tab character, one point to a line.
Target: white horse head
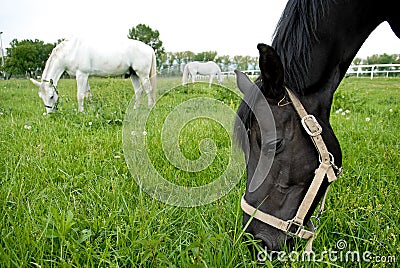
48	93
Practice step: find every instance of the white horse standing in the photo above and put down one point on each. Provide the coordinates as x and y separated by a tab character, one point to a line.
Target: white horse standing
204	68
81	58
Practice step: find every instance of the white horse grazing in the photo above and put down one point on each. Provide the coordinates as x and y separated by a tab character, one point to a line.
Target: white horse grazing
81	58
204	68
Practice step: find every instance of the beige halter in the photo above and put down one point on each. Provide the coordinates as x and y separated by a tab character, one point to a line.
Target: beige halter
327	167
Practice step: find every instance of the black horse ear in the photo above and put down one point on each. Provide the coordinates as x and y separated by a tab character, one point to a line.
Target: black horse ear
243	82
272	74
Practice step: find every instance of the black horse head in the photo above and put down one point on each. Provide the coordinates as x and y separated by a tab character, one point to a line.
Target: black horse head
314	44
281	157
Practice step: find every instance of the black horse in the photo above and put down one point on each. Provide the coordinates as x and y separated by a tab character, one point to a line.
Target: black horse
314	44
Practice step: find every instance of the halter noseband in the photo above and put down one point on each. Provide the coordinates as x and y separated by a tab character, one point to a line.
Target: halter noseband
327	167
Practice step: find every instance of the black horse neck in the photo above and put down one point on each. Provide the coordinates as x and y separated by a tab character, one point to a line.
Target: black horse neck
319	39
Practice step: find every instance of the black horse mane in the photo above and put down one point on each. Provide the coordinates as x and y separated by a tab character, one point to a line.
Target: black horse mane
294	36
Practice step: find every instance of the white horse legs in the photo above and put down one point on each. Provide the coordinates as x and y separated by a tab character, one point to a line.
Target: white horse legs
137	84
83	89
88	93
193	78
211	79
138	90
148	89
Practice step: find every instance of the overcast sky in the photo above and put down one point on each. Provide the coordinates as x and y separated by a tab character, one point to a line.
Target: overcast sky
228	27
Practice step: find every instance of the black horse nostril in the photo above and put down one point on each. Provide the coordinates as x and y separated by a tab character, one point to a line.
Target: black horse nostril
267	242
274	241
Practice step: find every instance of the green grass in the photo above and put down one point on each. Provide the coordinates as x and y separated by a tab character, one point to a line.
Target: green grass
68	198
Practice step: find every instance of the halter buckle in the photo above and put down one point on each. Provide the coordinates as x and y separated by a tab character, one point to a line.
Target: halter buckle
293	224
311	125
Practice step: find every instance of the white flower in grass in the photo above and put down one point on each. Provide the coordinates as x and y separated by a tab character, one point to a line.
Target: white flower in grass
339	111
347	111
90	123
367	119
144	133
343	113
27	127
391	110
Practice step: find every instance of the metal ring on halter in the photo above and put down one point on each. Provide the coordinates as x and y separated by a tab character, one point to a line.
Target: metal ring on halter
315	221
338	170
331	157
281	104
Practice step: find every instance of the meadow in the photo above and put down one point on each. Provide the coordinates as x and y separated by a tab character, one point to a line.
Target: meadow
68	198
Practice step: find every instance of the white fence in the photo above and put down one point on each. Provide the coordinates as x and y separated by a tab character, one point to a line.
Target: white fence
231	74
357	70
373	69
249	73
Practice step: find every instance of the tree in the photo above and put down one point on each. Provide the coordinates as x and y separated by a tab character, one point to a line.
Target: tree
253	62
27	56
179	58
164	62
381	59
170	60
150	37
240	62
357	61
223	62
205	56
188	56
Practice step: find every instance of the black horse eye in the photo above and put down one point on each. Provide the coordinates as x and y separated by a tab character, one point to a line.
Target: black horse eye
52	97
276	145
279	144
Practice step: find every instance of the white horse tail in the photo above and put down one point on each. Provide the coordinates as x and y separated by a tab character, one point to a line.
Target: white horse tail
153	76
185	74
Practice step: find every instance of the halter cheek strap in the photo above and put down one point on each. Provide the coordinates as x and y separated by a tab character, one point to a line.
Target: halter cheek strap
327	167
